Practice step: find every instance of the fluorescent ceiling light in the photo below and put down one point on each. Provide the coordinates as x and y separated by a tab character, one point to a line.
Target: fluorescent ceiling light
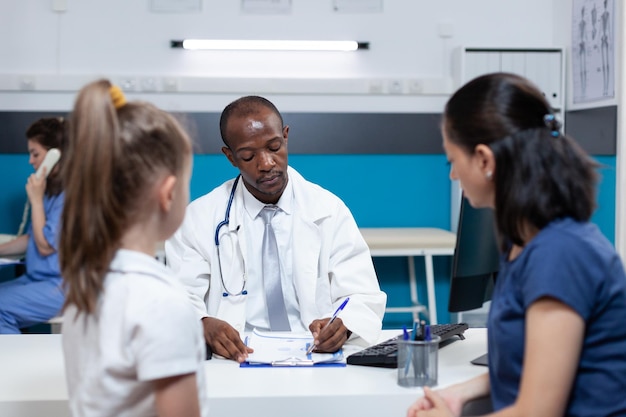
259	45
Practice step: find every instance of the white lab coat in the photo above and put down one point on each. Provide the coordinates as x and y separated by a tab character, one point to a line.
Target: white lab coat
331	260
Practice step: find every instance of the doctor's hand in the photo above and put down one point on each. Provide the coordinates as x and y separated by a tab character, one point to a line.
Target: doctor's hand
331	338
224	340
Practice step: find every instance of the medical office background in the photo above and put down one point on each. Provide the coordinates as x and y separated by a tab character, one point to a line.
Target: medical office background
364	124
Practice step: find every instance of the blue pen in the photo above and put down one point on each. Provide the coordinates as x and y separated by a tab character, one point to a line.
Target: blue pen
410	351
405	334
414	334
427	335
312	346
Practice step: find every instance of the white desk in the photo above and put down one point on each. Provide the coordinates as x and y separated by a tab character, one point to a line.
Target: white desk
32	382
411	242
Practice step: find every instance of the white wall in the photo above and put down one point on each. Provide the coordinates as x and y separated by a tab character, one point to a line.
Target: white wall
620	88
122	39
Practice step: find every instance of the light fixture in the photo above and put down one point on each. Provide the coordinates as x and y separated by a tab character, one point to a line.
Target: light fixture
260	45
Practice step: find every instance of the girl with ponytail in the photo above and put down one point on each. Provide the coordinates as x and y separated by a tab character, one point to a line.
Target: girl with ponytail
131	341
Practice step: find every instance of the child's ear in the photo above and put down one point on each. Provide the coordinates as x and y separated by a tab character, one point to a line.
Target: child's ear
166	193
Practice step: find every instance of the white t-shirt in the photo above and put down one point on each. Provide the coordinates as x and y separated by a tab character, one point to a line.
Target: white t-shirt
144	329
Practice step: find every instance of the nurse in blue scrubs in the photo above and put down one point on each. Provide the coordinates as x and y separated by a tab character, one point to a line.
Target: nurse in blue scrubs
37	296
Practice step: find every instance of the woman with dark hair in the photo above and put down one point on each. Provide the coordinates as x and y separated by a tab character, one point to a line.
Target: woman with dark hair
556	340
37	296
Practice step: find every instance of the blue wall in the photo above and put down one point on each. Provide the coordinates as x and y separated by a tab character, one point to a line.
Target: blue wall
395	191
14	170
381	191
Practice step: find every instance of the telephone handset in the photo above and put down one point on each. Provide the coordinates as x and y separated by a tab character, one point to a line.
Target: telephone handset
49	161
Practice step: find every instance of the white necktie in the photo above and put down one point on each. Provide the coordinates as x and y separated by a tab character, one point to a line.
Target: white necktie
271	275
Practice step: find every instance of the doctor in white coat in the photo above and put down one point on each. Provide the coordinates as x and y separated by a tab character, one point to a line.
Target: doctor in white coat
324	259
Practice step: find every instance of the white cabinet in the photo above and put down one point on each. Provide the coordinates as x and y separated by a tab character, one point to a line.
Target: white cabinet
545	67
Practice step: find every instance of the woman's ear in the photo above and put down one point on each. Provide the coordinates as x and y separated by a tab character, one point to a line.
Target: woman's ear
166	193
486	160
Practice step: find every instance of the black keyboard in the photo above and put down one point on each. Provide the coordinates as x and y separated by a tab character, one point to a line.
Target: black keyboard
384	354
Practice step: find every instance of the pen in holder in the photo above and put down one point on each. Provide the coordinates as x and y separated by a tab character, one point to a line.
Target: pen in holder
416	334
418	362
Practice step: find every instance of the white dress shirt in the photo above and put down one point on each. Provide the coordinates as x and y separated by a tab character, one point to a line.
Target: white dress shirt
254	227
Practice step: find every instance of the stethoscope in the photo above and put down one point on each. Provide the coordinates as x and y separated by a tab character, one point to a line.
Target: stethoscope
224	222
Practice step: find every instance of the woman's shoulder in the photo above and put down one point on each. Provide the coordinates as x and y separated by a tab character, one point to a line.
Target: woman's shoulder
571	239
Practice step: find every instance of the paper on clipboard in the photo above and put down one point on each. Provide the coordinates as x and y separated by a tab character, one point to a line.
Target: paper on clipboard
287	349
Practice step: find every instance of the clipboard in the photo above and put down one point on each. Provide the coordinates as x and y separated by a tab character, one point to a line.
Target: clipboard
287	349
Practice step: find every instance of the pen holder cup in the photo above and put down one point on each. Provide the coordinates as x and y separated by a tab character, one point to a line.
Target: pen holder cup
418	362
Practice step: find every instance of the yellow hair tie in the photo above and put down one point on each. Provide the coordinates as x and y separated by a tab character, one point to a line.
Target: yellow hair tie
117	96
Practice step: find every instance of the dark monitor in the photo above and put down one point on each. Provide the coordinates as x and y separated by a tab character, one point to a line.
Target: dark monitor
476	259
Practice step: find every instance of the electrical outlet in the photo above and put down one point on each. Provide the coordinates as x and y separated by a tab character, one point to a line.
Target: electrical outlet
416	86
27	82
395	86
128	84
170	84
376	87
149	84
